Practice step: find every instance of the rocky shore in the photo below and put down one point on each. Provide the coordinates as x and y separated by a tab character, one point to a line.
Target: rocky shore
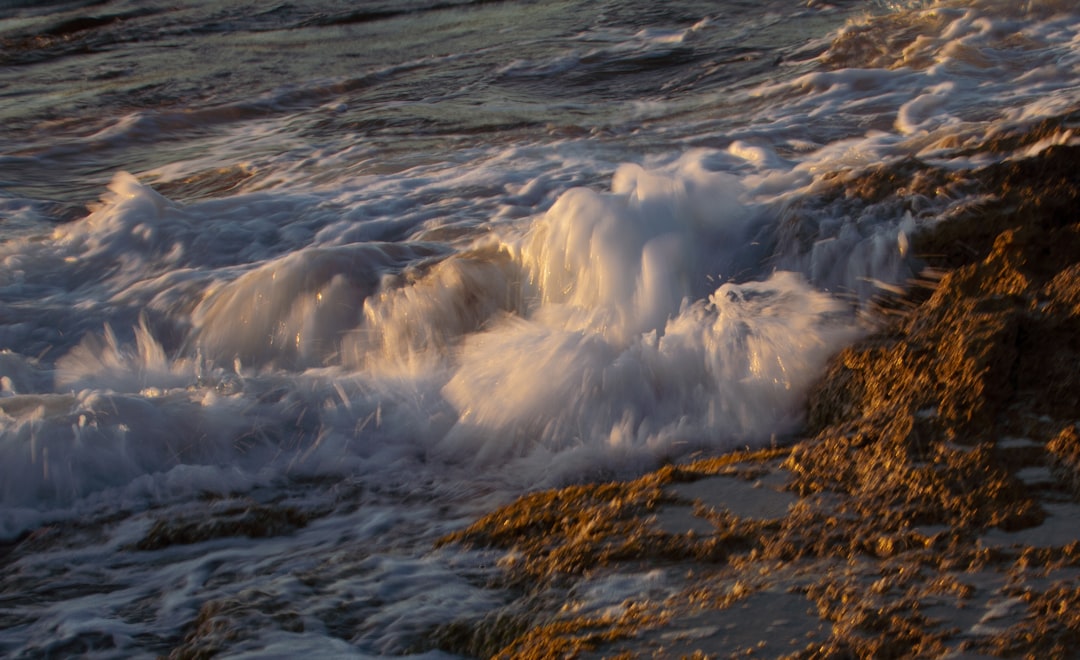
929	508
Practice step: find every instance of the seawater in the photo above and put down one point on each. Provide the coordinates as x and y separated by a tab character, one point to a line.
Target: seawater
389	265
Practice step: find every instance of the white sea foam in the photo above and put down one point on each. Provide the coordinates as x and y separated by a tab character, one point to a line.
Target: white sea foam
589	331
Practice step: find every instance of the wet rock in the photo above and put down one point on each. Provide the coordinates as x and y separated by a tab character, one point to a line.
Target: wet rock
223	623
1065	450
251	521
932	450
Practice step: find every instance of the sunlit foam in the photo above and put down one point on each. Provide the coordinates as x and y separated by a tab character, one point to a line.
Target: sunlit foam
622	262
591	337
293	311
723	372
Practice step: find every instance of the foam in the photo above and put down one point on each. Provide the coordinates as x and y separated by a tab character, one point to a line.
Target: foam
922	113
634	362
589	330
724	373
293	310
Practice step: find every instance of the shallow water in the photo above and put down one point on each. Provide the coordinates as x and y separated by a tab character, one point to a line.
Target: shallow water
344	278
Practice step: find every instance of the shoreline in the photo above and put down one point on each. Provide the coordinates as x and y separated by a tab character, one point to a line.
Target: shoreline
929	509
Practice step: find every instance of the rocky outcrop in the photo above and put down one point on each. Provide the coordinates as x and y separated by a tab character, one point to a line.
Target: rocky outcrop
939	464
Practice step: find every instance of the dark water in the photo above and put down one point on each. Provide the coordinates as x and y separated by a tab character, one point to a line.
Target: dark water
92	89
